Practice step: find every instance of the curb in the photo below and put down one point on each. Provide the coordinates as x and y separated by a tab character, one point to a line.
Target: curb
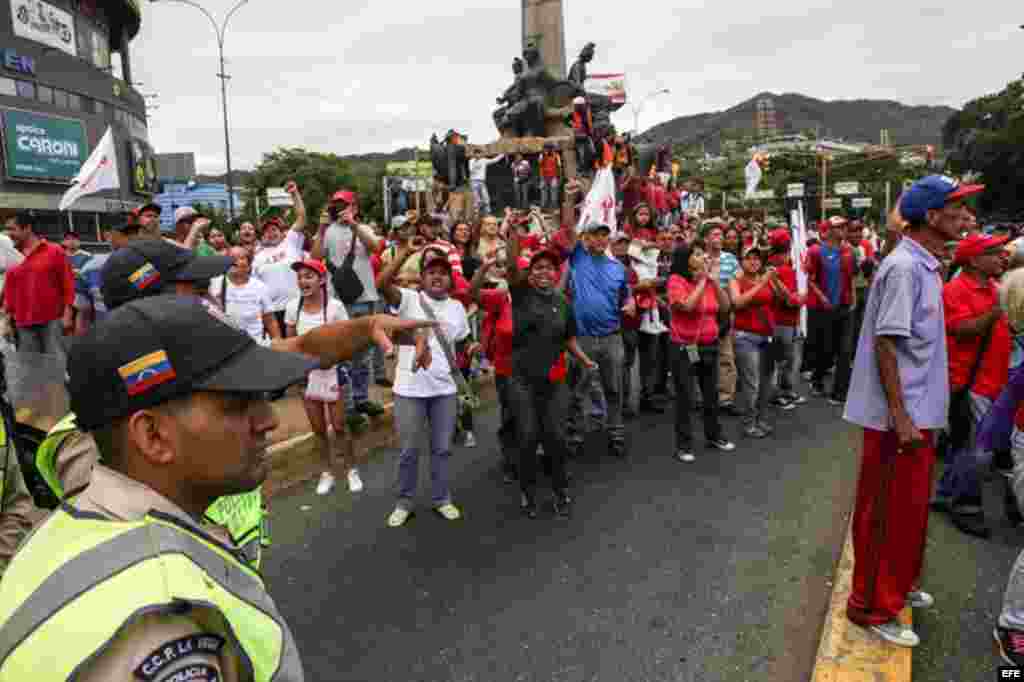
294	461
848	652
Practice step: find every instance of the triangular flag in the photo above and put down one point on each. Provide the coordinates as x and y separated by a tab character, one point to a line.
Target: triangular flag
753	173
599	206
99	172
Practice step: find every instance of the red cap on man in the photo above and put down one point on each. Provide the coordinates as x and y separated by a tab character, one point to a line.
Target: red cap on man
975	245
344	195
779	238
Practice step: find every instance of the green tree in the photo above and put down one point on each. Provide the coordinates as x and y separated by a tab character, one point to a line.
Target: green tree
987	137
318	176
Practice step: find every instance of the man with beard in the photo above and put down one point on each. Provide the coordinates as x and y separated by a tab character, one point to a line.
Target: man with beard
900	396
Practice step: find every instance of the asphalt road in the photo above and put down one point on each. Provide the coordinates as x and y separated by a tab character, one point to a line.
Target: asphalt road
967	576
716	570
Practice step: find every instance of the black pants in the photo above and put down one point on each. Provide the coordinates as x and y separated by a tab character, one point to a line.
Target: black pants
540	409
630	341
705	371
654	350
832	332
507	436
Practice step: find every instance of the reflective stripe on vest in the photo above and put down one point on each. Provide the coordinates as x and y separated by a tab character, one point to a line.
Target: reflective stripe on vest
80	579
46	455
7	451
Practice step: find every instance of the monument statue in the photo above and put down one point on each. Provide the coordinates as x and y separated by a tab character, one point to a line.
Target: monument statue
601	106
509	97
449	159
578	72
530	97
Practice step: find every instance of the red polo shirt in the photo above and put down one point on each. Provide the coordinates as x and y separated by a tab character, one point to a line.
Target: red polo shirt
698	326
965	298
38	289
783	314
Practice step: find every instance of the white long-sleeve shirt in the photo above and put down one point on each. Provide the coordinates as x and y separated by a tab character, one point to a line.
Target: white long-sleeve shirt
478	168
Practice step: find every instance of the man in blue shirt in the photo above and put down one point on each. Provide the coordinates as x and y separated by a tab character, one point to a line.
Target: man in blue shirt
599	287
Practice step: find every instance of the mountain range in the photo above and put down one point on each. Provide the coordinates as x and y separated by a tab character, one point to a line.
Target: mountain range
859	120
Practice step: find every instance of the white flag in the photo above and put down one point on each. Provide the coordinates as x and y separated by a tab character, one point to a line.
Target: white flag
99	172
753	173
798	248
599	206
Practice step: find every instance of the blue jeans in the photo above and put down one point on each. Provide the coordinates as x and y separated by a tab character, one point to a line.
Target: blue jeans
438	414
754	365
608	352
361	363
549	192
483	199
790	345
960	482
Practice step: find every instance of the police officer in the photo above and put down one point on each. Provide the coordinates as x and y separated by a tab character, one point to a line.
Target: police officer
122	582
17	509
150	267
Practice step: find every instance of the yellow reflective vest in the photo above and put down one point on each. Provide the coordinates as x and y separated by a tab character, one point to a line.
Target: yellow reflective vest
243	515
81	578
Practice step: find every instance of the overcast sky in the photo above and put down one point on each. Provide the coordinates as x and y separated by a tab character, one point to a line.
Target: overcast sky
355	76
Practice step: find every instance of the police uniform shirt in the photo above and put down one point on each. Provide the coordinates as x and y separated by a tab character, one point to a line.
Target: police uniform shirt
195	646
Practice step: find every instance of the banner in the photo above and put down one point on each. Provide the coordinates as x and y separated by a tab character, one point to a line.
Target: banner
410	169
143	166
98	173
40	147
797	250
44	23
753	176
611	85
599	206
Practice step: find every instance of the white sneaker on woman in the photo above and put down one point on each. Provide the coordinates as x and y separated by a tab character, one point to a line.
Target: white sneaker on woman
355	484
326	483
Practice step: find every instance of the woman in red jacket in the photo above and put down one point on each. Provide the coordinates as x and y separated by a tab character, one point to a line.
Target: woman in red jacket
786	311
753	296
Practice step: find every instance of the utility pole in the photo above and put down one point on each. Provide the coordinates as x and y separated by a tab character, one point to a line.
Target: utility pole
824	183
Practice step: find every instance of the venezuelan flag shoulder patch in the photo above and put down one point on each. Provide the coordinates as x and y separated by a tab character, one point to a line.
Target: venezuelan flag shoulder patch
146	372
144	277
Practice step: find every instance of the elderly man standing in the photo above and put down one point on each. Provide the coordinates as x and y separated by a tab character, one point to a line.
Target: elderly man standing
900	396
39	292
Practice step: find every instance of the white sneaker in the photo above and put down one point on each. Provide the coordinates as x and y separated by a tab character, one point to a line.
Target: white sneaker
896	633
398	517
919	599
326	483
355	484
470	440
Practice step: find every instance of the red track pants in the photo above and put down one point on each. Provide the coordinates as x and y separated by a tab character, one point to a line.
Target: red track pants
890	522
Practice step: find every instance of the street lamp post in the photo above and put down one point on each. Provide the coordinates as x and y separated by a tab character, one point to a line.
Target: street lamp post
220	31
640	105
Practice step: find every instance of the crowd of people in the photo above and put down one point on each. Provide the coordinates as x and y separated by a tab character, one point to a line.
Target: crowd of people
583	329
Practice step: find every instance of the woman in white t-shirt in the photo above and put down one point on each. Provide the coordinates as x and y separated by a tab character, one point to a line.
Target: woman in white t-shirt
424	389
246	300
324	399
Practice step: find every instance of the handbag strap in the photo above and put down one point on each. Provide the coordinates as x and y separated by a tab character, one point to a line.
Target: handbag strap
350	257
446	346
981	356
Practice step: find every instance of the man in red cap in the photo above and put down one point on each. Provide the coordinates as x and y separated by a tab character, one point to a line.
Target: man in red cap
348	242
830	267
978	341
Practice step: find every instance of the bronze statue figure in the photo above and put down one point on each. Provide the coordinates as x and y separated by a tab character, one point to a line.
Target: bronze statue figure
530	97
578	71
509	97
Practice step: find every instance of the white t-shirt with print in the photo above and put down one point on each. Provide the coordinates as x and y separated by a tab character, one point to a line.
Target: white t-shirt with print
272	265
245	304
437	379
305	322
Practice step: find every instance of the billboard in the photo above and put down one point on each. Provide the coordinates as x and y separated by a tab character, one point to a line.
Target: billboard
43	148
44	23
410	169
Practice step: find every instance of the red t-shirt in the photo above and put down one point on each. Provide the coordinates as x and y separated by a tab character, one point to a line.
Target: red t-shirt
756	318
549	165
815	270
869	248
498	329
38	289
781	313
699	325
965	298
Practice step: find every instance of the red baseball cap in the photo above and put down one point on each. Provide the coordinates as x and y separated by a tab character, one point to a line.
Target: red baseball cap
779	237
314	265
344	195
975	245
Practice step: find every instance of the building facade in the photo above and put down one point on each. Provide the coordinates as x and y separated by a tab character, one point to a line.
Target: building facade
178	194
58	95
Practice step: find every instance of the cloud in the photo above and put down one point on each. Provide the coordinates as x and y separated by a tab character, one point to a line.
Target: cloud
359	76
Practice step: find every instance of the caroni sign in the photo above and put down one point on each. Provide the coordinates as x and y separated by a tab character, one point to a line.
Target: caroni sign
38	147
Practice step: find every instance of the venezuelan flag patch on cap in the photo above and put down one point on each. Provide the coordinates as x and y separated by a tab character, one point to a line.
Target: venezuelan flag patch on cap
148	371
144	277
